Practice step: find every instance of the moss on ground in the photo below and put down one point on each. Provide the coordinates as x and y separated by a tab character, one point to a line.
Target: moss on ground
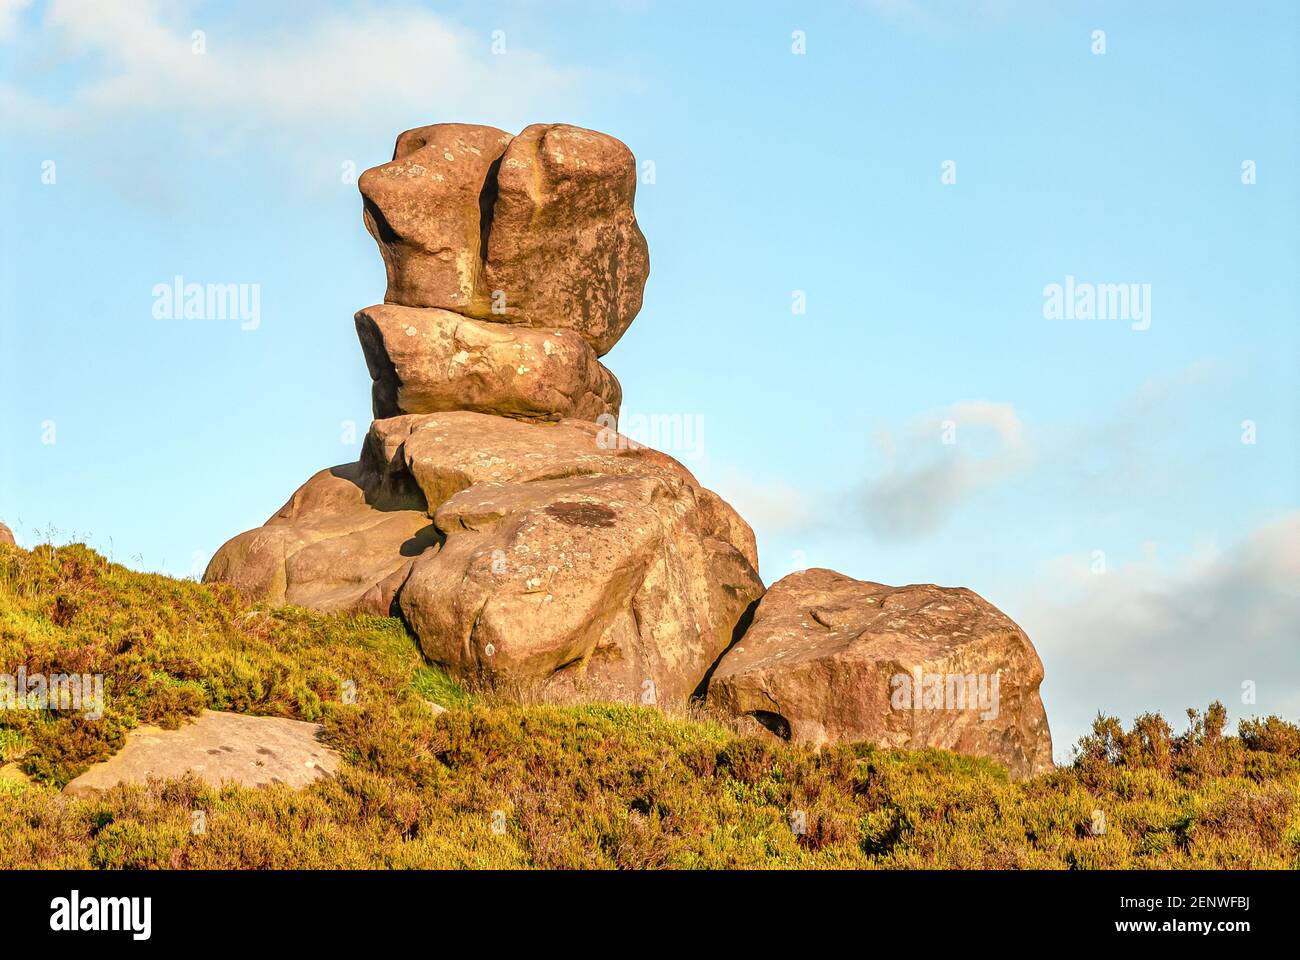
488	785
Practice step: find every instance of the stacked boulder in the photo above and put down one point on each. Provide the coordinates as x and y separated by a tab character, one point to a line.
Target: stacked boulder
521	539
527	544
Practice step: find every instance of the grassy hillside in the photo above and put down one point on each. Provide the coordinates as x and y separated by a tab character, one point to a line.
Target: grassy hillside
487	785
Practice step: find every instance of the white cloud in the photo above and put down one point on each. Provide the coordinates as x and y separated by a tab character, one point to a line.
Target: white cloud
770	506
1137	448
9	12
1001	417
1146	635
1142	447
938	461
380	70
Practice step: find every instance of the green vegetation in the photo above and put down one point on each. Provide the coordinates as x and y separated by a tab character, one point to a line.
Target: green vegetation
487	785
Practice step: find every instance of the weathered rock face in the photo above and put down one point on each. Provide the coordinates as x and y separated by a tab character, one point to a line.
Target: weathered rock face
565	248
830	658
427	361
345	541
536	230
7	535
447	452
430	209
595	586
573	563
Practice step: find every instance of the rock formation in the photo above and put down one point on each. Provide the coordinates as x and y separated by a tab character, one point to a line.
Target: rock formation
526	543
521	541
7	535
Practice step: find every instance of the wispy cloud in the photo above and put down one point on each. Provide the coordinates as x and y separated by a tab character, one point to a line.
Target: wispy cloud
771	506
9	13
937	461
1138	444
1145	634
387	69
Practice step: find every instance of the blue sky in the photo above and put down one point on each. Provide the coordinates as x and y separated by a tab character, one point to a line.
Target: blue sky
1098	488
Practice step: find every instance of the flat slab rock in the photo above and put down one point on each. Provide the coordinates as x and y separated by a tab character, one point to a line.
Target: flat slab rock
220	748
424	360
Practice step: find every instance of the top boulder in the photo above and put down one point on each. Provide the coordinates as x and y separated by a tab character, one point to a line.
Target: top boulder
538	229
429	211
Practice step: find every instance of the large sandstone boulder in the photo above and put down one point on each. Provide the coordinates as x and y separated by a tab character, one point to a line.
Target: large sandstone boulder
426	360
565	249
536	230
430	208
344	542
7	536
606	587
829	658
574	563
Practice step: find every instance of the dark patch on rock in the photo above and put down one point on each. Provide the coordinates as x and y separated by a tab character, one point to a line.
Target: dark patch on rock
582	514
